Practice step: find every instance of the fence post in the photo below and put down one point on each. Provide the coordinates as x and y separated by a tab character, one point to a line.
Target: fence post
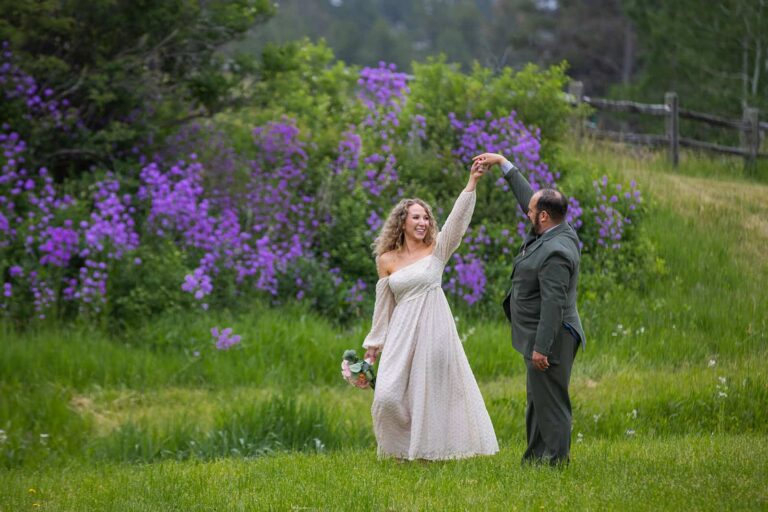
576	90
673	127
751	137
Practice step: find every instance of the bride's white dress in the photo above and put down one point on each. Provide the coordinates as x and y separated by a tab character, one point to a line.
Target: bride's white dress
427	404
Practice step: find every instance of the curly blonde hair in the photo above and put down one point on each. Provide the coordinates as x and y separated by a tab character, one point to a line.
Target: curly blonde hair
392	234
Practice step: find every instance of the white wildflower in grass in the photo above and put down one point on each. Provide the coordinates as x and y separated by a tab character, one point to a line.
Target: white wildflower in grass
630	432
579	437
722	387
641	330
712	363
632	414
3	436
44	438
596	417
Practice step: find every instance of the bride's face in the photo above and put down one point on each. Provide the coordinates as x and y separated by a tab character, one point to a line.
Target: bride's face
416	222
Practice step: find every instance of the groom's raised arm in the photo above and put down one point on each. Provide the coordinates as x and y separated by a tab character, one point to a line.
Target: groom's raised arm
520	186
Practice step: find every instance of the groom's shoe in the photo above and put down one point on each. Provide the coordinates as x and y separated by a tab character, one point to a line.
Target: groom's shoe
553	462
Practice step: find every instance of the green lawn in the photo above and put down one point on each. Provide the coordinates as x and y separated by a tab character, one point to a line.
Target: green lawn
670	399
680	472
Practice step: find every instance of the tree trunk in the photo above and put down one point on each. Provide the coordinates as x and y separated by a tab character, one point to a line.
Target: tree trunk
744	72
758	50
756	74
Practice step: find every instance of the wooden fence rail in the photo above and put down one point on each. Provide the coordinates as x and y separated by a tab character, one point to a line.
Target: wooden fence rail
749	126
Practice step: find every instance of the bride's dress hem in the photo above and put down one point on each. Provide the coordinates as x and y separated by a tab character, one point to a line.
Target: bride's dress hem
435	456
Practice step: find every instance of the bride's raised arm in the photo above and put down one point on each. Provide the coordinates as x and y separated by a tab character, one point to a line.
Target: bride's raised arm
449	238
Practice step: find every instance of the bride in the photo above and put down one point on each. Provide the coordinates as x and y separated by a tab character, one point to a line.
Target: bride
426	404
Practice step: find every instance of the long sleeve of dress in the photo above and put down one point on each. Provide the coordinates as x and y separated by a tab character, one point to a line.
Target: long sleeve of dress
382	311
455	226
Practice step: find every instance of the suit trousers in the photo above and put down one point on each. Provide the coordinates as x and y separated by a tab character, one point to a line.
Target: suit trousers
548	413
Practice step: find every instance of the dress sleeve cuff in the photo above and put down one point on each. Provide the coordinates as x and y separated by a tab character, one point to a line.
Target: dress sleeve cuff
373	344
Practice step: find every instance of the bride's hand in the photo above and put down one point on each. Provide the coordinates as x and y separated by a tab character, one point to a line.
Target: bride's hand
372	354
477	170
475	173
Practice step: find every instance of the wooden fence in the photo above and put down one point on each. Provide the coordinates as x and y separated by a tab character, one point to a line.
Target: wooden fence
749	126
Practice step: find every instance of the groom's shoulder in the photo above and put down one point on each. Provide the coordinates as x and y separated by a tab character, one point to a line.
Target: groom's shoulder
567	240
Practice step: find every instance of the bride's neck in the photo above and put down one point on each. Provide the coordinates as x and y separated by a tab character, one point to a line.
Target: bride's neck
413	246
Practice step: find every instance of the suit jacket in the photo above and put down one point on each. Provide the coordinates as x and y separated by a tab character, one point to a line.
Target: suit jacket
541	302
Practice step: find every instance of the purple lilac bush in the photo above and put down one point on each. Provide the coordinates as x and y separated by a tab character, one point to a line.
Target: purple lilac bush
255	222
613	209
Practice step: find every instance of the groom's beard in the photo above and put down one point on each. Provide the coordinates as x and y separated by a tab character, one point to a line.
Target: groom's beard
537	225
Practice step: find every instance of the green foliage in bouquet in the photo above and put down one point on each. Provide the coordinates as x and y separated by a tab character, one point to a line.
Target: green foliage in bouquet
357	372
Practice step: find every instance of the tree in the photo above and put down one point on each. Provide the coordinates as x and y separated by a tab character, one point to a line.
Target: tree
716	57
595	37
129	68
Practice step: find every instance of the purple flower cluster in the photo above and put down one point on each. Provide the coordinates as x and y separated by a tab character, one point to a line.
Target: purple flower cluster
383	91
217	150
507	136
278	204
40	102
575	211
225	339
281	202
59	244
29	207
198	283
355	293
111	229
91	287
42	293
418	128
469	280
612	214
349	149
382	86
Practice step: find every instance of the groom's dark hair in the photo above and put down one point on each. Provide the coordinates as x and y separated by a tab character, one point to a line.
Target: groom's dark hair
554	203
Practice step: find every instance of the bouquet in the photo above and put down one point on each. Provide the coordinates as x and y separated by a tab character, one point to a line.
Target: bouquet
358	373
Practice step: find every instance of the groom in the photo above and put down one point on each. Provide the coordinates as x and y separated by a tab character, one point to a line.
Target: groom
541	306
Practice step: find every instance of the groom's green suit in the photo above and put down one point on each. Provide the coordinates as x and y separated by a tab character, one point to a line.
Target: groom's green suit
541	306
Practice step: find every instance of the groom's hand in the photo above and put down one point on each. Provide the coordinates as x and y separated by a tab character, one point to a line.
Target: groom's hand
540	361
489	159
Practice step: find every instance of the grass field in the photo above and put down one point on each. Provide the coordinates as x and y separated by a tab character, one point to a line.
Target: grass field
671	397
682	473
